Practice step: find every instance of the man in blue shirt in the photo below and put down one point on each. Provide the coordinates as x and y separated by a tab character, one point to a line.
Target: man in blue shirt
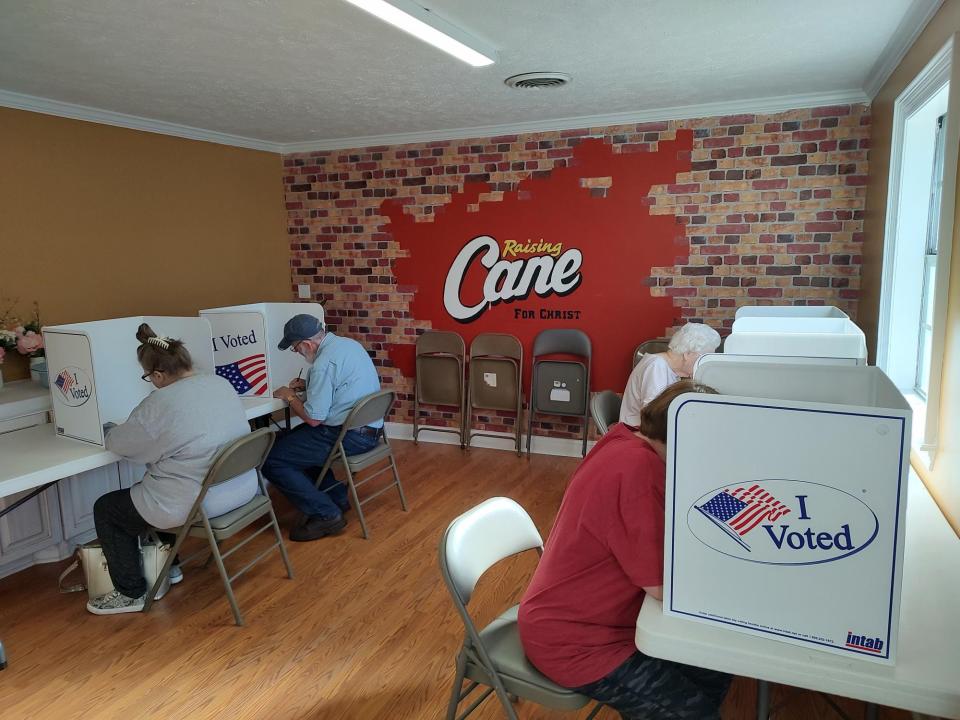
341	373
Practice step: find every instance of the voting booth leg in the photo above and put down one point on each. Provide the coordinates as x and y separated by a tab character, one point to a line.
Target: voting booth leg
871	712
3	657
763	700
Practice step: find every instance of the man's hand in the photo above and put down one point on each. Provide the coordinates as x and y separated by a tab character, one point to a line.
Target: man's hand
284	393
298	384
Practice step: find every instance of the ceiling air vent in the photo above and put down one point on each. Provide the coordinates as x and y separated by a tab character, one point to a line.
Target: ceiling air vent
538	80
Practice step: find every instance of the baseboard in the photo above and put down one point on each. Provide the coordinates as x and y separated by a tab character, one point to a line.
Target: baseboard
562	447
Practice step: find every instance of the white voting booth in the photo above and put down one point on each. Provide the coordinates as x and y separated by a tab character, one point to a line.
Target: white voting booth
786	496
818	332
245	339
95	377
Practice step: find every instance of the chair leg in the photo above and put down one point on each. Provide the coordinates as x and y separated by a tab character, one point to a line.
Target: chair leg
586	431
356	498
396	479
215	551
416	415
457	686
282	547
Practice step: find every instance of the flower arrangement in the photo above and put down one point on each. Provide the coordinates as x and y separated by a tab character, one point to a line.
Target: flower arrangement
22	336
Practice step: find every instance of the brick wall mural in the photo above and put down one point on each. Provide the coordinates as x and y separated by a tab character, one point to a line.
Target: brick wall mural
656	223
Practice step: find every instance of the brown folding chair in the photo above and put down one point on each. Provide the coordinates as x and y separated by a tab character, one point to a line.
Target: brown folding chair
495	369
439	378
371	408
246	453
657	345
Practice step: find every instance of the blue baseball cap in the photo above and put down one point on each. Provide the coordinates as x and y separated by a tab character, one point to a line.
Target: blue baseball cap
299	327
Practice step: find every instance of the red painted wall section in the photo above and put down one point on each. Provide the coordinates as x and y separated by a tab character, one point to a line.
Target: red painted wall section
620	241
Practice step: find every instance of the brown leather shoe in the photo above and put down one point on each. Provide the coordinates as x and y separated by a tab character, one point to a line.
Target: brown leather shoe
316	527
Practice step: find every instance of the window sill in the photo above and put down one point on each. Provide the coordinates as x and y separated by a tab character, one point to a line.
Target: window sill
918	452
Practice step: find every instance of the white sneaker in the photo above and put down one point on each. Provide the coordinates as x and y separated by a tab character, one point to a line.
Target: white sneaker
115	602
175	574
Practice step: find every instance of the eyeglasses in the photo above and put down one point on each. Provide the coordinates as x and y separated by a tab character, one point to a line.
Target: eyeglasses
146	376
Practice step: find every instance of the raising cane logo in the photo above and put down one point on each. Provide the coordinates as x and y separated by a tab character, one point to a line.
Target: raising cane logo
540	267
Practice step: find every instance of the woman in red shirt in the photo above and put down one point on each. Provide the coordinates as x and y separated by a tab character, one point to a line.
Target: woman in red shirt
578	618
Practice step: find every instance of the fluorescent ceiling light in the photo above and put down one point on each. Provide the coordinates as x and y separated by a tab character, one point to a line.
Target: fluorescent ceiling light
425	25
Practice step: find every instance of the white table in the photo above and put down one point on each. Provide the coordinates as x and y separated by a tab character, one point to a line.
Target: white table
926	677
21	401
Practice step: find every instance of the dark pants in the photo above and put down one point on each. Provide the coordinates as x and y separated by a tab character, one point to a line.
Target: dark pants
646	688
119	527
297	457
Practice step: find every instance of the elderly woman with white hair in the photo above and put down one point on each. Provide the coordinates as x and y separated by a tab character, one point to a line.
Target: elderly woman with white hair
657	371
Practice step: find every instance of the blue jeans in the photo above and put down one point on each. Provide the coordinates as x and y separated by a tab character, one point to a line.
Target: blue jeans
298	456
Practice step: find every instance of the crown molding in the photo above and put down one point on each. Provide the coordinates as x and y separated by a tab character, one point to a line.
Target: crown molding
131	122
914	21
758	106
765	105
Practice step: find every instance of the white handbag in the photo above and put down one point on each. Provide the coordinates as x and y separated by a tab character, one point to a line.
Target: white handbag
97	582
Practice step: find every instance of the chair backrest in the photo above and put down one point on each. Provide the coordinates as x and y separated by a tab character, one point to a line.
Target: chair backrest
564	340
440	341
492	531
605	408
498	344
245	453
439	375
371	408
657	345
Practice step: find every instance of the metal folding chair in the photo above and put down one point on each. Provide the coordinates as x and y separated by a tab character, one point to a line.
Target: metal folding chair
439	378
560	387
246	453
483	536
657	345
371	408
605	409
495	370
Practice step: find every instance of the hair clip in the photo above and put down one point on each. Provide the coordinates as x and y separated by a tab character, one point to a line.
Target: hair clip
163	342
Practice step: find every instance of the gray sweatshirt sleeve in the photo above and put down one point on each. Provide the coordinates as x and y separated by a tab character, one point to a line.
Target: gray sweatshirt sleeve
133	441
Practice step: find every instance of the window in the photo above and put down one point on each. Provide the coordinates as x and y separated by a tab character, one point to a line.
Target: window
917	244
929	281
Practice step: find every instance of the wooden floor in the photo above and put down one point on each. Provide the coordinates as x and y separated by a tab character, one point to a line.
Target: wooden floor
365	630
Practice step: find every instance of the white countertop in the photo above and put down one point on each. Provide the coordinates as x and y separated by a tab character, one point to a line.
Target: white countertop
258	407
926	677
35	456
23	397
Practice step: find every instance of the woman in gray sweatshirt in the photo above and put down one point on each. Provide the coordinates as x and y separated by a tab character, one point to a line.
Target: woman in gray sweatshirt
176	431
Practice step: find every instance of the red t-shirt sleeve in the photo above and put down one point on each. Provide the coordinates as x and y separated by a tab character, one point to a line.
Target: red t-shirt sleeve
635	534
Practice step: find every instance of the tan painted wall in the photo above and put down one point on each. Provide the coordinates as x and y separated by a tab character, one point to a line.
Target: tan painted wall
99	222
944	480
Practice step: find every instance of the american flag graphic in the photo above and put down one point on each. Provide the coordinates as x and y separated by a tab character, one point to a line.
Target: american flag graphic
249	374
739	511
64	382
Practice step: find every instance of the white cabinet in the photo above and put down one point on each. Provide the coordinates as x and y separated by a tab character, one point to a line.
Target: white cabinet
28	531
78	493
131	473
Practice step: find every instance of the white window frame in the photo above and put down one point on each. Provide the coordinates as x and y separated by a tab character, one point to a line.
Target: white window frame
941	69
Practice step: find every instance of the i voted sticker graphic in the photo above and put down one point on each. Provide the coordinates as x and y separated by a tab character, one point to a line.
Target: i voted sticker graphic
74	385
783	522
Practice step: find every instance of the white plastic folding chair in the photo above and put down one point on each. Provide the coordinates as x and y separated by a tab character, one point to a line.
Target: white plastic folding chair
488	533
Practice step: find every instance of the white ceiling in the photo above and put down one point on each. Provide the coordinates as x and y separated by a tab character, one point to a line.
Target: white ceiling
322	71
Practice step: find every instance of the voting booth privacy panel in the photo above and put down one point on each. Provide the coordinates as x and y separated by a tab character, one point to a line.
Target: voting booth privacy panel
772	331
785	505
245	339
95	377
